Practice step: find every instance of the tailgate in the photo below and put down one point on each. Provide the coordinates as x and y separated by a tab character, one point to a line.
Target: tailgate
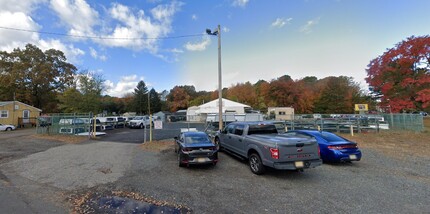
293	149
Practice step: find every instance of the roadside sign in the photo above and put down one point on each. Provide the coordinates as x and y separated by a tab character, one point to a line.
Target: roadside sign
158	124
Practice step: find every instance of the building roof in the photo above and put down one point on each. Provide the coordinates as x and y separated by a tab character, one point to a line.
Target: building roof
225	103
5	103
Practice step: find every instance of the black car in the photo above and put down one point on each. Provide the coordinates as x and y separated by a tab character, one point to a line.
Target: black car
195	147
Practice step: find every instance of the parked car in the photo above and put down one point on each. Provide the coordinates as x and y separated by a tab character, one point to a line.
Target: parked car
139	122
333	147
7	127
262	146
194	147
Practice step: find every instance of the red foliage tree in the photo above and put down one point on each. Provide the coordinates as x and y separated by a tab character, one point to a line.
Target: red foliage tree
402	75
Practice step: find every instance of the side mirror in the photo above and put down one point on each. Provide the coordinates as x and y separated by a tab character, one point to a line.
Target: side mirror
176	138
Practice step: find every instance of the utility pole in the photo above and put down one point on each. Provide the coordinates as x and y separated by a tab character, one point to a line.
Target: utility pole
217	32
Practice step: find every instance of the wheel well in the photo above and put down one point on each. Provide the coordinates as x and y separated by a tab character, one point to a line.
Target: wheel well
252	151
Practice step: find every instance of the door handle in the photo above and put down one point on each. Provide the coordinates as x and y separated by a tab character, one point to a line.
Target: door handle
240	140
229	137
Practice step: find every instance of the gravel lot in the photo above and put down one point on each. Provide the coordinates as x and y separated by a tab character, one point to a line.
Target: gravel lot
37	176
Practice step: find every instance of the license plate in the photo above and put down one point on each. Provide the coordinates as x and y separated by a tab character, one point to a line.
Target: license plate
200	160
352	157
299	164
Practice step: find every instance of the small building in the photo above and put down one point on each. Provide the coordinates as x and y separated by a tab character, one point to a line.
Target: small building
280	113
163	115
18	114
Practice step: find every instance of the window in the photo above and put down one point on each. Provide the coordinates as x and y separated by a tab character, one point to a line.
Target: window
4	114
239	130
230	129
282	113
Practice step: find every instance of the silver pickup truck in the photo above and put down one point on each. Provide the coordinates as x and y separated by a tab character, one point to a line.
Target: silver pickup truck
260	143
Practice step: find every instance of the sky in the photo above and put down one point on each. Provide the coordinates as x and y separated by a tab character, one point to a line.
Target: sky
164	43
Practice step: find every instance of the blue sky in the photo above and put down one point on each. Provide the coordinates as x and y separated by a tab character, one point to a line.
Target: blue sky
260	39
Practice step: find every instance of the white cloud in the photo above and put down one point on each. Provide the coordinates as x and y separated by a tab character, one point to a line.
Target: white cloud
280	22
307	28
19	17
139	25
77	15
240	3
225	29
126	85
194	17
200	46
96	55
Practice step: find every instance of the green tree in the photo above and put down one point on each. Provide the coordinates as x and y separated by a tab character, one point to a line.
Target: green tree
141	98
35	77
154	99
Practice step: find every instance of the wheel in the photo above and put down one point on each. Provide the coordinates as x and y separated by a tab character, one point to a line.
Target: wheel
141	126
8	129
217	144
255	164
180	164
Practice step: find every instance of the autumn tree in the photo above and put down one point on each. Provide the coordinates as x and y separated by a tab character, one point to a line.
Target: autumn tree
178	98
338	96
401	75
35	77
243	93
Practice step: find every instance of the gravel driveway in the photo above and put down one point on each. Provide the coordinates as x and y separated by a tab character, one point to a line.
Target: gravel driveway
41	175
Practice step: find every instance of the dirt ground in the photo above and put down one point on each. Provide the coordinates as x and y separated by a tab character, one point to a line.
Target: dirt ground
397	144
158	146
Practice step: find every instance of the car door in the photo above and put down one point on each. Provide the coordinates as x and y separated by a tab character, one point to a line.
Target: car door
225	137
237	139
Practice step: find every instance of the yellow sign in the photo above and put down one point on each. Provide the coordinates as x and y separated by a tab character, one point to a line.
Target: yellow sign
361	107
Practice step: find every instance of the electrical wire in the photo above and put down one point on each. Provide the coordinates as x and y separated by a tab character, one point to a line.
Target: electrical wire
101	37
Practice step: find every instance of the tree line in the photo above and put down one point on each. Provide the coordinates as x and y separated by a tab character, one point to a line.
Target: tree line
399	78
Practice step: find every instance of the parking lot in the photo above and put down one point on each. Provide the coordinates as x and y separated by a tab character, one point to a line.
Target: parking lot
40	176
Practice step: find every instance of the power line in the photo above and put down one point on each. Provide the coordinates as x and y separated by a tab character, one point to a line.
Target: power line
101	37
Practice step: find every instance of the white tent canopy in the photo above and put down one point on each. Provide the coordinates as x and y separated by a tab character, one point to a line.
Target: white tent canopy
199	113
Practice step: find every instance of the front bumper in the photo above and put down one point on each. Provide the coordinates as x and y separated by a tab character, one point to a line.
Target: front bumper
293	165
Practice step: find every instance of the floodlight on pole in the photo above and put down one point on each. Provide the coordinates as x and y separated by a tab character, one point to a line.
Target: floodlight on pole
217	32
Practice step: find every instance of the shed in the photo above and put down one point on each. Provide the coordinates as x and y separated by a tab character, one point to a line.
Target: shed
18	113
281	113
162	115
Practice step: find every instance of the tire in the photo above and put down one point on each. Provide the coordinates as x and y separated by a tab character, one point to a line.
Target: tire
180	164
8	129
217	144
255	164
141	126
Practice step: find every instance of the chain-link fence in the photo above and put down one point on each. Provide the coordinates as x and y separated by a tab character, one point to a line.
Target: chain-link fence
356	123
64	124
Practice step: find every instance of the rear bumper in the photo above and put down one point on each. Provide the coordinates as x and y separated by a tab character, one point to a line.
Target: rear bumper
292	165
200	159
339	156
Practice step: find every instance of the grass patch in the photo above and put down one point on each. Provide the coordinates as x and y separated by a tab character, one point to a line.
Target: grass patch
399	144
158	146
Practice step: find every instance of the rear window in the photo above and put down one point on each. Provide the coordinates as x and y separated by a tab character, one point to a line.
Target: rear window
196	138
262	129
331	137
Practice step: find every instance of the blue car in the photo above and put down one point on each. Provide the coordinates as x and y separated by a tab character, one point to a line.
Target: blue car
195	148
333	148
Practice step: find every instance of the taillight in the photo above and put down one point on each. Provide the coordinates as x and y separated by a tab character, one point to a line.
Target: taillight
319	151
275	153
